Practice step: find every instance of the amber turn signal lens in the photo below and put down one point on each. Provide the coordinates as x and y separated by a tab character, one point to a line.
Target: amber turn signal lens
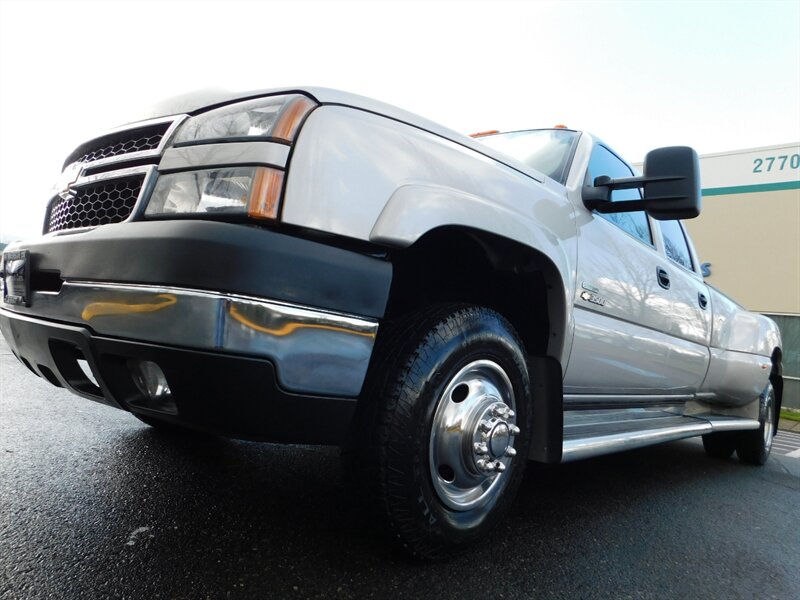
265	194
291	116
483	133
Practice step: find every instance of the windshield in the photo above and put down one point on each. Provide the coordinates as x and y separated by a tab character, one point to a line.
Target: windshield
546	150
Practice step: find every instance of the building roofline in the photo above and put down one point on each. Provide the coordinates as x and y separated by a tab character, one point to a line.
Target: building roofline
748	150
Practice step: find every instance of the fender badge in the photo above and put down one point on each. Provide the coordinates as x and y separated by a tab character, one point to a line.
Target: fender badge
593	298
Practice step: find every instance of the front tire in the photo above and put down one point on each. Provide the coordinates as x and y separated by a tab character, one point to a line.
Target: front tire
442	439
754	446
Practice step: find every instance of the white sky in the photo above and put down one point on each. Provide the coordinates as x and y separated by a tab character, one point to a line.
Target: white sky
714	75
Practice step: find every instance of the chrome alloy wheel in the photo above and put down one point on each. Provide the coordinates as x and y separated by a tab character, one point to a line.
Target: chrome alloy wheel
472	436
769	416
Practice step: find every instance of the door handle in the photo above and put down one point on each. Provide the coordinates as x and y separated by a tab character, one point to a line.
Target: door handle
663	277
702	300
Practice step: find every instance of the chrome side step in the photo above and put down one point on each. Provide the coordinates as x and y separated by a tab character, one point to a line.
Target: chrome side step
593	433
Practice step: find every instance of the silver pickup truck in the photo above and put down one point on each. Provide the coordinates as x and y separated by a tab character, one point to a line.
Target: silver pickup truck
310	266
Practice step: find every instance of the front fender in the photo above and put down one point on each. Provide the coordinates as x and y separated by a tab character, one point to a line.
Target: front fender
415	210
363	176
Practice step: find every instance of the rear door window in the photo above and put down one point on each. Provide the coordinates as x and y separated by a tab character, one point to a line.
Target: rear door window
675	244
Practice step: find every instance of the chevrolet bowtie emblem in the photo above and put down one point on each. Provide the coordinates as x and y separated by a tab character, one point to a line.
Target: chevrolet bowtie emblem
68	177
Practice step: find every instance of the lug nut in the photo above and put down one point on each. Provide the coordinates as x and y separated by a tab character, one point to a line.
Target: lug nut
513	429
488	466
511	452
485	426
480	448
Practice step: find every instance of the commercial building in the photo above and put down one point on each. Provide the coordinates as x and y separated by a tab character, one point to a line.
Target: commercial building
749	232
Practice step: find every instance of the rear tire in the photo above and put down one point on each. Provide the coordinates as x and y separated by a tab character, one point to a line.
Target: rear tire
720	445
441	438
753	447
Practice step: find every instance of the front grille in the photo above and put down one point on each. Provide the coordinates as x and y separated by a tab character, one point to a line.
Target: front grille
100	203
119	143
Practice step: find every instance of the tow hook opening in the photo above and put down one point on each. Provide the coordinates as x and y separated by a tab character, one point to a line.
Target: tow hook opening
74	368
46	281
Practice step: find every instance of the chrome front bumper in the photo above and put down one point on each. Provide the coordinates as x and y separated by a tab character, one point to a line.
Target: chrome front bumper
313	351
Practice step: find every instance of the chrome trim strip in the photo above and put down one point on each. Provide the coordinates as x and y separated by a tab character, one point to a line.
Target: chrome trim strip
615	416
213	155
629	437
314	351
576	449
603	398
731	423
146	169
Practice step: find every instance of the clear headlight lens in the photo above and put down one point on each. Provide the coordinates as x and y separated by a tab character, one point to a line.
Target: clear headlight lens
246	191
274	117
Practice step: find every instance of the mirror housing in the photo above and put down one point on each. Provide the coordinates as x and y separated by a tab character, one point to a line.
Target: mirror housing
671	186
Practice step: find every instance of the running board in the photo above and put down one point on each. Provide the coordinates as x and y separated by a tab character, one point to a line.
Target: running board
593	433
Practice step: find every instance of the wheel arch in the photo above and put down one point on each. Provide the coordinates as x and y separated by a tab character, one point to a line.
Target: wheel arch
466	265
463	264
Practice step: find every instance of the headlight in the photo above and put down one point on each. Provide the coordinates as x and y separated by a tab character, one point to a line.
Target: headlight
247	191
274	117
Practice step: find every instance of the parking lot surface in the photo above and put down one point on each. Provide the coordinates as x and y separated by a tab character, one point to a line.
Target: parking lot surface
94	504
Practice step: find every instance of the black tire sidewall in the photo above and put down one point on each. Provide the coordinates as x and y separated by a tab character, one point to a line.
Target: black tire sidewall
751	447
720	445
481	335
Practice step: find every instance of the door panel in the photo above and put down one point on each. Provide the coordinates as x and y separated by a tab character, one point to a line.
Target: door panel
639	327
690	303
621	316
612	356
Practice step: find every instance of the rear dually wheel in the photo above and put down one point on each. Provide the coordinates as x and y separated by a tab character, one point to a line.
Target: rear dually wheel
754	446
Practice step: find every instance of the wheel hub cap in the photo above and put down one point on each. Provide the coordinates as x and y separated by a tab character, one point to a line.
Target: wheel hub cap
472	436
498	440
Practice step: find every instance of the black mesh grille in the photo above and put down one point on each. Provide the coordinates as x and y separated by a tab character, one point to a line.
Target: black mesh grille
100	203
117	144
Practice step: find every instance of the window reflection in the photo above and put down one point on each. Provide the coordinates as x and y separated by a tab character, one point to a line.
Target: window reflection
547	150
605	162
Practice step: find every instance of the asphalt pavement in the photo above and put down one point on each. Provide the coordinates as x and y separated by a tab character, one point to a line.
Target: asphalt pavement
787	443
94	504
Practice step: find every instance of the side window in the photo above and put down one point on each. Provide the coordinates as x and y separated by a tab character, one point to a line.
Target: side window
605	162
675	243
